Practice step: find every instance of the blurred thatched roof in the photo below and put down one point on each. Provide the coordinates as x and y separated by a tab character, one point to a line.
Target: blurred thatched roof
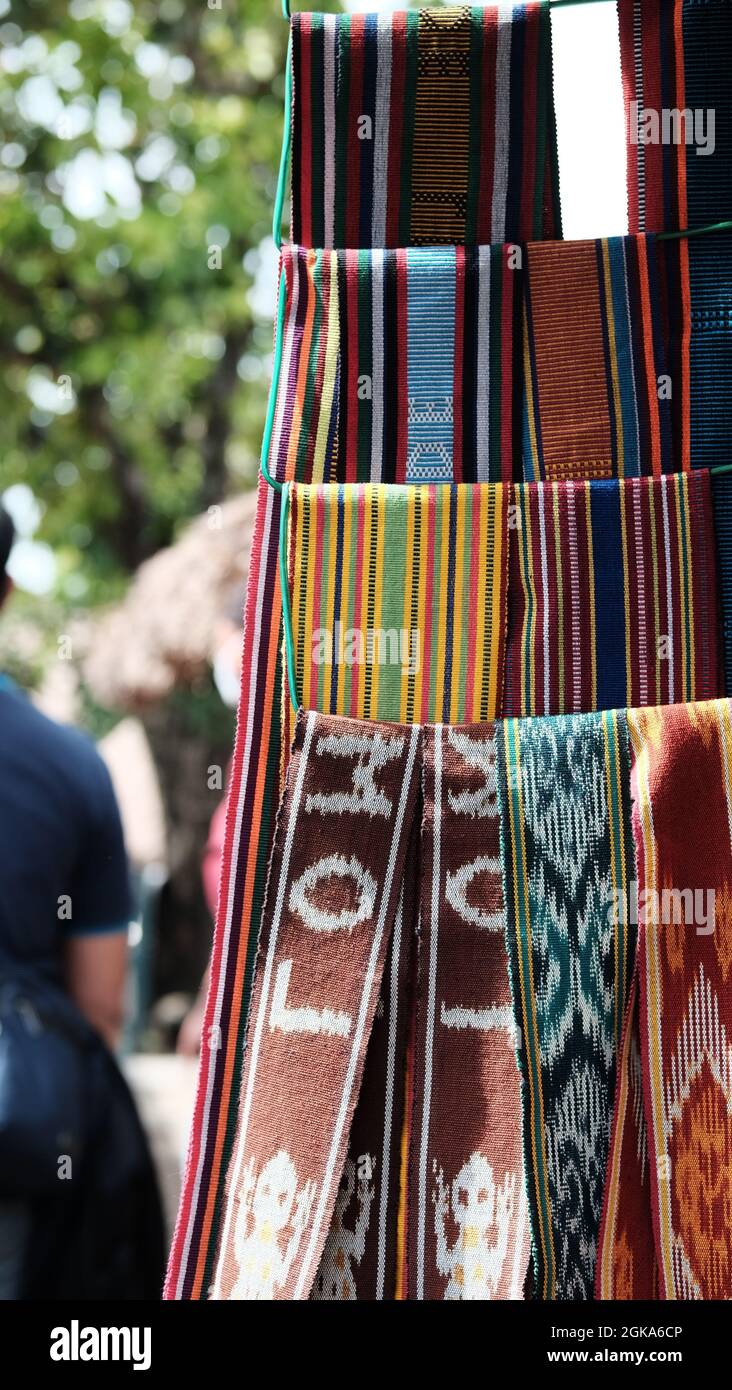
162	633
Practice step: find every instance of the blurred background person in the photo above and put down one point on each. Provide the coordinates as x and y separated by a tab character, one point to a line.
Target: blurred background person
79	1211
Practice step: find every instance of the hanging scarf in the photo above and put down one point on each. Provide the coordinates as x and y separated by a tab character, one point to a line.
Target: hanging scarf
553	360
458	604
667	1223
401	127
306	1212
567	850
676	58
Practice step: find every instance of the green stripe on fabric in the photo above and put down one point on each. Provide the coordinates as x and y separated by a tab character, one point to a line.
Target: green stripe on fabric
410	106
476	125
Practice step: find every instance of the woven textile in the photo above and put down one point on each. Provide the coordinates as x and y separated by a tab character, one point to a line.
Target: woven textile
553	360
400	609
309	1213
401	127
682	1026
567	849
676	58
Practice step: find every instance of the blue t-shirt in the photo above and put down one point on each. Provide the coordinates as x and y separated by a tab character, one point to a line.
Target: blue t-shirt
63	867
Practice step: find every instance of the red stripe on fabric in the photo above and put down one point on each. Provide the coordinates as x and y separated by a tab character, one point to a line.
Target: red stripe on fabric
396	126
403	391
428	598
358	593
627	63
488	126
529	172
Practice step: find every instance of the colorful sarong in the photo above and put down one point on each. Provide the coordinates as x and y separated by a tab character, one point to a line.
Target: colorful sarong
567	850
667	1221
449	1186
676	58
463	603
553	360
424	127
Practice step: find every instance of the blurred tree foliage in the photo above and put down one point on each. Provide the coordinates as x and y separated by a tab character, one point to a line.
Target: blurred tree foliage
139	146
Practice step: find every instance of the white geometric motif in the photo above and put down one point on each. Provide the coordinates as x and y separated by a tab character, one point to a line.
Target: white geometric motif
270	1223
480	754
344	1248
372	752
333	866
483	1215
456	888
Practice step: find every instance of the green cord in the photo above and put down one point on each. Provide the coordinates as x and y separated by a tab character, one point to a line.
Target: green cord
274	386
286	609
695	231
285	150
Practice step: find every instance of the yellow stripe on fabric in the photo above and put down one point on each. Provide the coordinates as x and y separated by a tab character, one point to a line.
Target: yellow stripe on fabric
529	390
528	628
498	615
309	548
330	373
482	617
560	598
442	540
330	614
406	683
640	734
365	581
617	408
423	502
591	586
613	1177
457	681
297	616
343	689
378	594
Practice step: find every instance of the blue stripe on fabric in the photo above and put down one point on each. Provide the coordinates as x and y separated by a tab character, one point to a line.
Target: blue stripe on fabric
607	549
430	364
624	356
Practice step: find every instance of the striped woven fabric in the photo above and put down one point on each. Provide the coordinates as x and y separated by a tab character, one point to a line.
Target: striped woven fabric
611	598
567	846
399	600
401	124
676	58
722	504
612	595
308	1211
666	1223
549	361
